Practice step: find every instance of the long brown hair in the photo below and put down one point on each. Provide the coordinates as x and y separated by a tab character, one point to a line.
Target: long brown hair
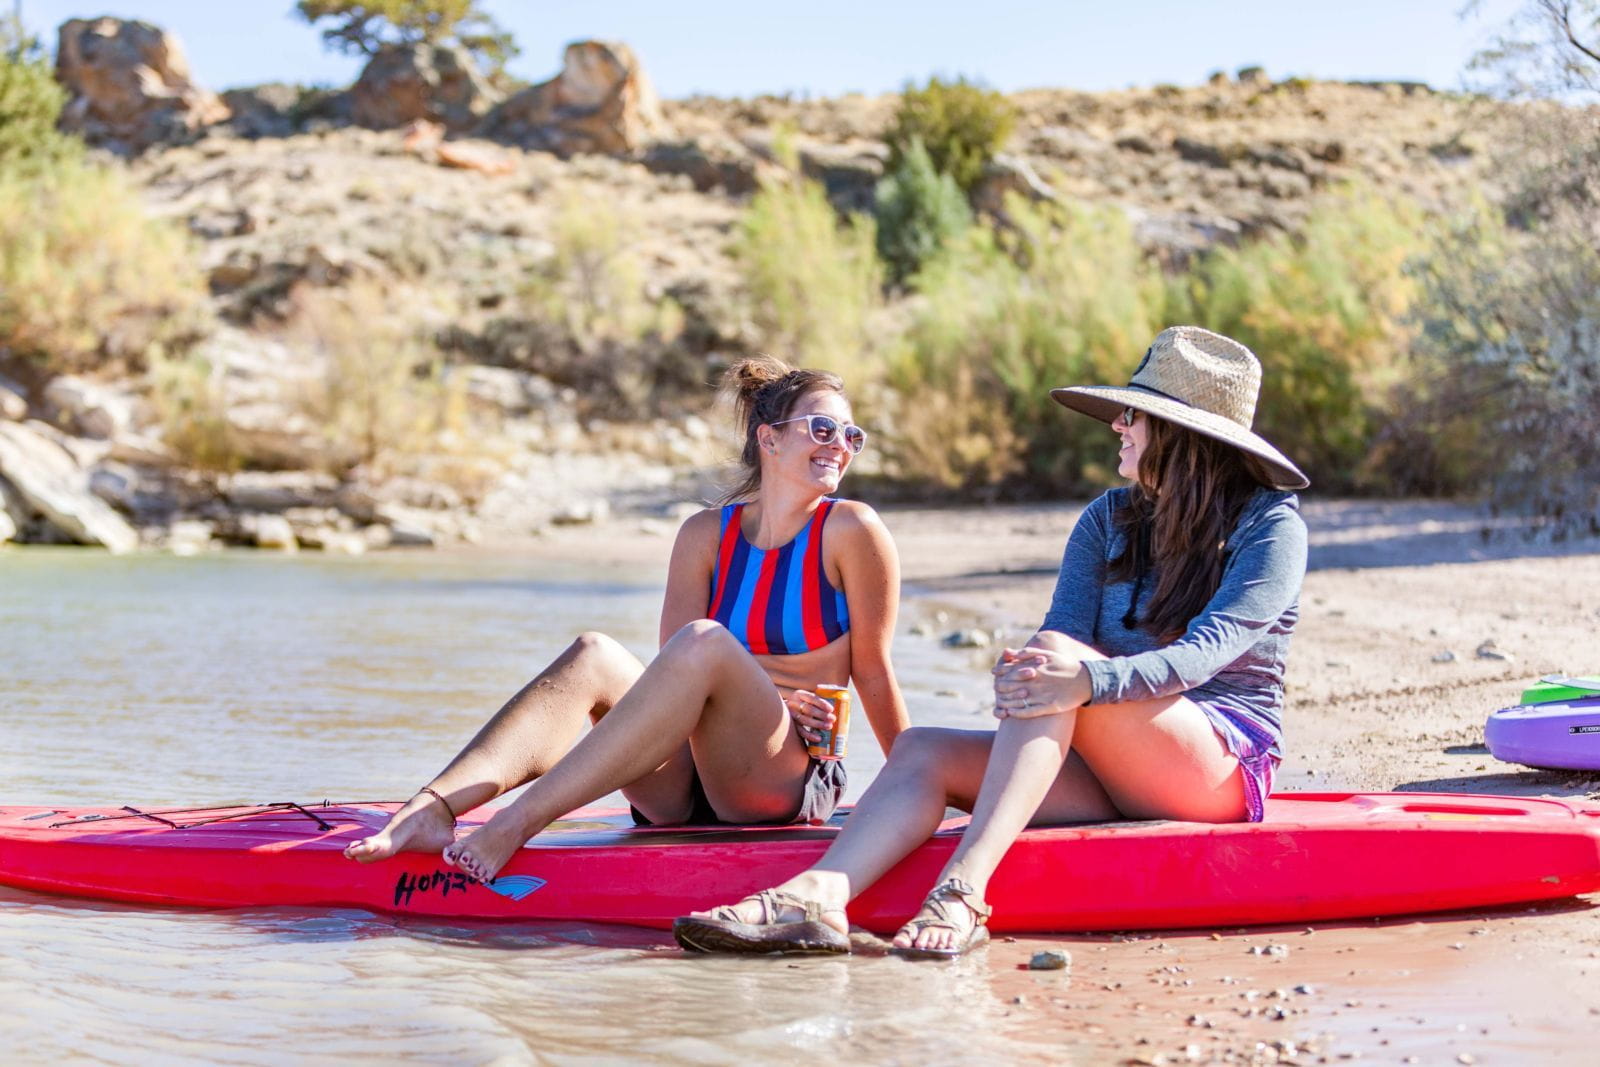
765	390
1188	498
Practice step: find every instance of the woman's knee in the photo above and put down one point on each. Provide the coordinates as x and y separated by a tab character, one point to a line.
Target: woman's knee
921	750
603	659
1056	641
703	640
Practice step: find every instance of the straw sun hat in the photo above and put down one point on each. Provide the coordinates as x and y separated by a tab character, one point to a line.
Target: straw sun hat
1198	379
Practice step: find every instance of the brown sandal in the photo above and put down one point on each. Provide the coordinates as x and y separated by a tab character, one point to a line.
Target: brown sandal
721	930
941	902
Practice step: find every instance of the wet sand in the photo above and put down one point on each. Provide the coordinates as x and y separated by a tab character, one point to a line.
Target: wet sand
1374	704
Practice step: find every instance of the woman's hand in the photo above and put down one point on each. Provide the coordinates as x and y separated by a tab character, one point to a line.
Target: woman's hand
809	712
1029	682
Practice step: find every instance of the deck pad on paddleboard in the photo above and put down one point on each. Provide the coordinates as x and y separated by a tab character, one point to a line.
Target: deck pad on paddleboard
1317	856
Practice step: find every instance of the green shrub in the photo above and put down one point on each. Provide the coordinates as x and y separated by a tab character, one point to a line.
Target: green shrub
919	212
1066	297
812	282
593	287
1505	390
1328	312
379	396
961	124
30	105
191	409
607	333
87	279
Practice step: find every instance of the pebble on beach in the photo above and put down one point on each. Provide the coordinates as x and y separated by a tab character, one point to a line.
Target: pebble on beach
1489	650
973	638
1049	960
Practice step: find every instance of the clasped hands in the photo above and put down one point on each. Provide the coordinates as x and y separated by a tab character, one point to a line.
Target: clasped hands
1029	682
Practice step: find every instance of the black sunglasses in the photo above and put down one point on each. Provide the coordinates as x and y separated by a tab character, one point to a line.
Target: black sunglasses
825	430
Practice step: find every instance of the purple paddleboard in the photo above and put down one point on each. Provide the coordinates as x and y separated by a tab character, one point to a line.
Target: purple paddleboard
1563	733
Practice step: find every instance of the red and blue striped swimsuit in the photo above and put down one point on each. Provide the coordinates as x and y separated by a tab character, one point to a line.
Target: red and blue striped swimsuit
776	601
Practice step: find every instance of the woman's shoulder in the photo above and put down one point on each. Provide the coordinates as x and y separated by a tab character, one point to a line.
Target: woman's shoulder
1107	504
852	512
705	524
1270	512
852	518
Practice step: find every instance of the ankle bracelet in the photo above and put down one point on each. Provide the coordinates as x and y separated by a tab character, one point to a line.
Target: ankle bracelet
435	794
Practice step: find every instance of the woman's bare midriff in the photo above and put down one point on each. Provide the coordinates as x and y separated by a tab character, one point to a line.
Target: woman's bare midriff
827	665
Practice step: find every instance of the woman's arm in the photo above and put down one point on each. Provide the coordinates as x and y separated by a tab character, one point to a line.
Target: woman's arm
1075	605
1261	581
869	572
694	555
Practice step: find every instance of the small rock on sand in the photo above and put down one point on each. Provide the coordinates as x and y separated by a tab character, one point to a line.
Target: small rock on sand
973	638
1049	960
1490	650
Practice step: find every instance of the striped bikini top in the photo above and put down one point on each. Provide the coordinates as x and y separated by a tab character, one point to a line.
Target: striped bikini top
776	601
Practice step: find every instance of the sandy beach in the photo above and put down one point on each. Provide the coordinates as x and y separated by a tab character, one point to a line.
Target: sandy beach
1417	621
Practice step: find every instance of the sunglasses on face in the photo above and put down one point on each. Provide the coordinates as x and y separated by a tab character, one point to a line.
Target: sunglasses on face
826	430
1128	415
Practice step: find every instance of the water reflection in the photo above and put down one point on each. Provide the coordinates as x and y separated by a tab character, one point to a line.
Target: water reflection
243	679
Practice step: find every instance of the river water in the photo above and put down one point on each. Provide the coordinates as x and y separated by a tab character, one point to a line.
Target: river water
221	679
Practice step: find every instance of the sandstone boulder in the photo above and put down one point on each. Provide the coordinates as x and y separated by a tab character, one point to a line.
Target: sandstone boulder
13	400
50	481
601	102
436	82
129	85
710	162
89	409
279	491
1003	176
189	537
13	513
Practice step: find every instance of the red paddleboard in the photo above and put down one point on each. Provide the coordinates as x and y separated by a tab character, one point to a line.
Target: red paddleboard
1318	856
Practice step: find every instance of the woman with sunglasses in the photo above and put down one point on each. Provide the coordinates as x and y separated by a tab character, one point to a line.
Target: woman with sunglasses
780	590
1153	689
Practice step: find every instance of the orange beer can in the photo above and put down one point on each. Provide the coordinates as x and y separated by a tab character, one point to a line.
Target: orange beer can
831	744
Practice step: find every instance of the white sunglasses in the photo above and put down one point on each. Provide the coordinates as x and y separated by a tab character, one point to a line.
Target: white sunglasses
825	430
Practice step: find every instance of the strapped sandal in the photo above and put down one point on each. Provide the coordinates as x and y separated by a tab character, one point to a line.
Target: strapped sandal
721	930
942	902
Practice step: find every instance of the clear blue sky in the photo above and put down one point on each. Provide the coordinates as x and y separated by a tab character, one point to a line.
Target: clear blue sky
828	47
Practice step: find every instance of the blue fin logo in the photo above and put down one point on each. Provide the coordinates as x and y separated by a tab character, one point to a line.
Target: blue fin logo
516	886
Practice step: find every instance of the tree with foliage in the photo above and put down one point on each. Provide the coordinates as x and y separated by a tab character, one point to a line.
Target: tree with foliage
920	211
1548	48
1510	317
961	125
367	28
30	105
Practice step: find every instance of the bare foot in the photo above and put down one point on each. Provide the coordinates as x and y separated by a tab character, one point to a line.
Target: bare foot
421	825
490	847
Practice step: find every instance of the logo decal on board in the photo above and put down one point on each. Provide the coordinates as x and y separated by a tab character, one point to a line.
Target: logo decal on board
516	886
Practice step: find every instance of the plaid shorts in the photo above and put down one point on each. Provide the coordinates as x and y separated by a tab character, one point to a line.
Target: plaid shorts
1251	743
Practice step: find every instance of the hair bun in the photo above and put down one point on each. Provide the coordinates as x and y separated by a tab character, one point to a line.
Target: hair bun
749	376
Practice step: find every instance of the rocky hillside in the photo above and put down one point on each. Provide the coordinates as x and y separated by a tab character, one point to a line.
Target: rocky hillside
451	211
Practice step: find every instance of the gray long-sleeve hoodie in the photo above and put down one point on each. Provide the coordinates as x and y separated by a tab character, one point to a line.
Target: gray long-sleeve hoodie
1232	653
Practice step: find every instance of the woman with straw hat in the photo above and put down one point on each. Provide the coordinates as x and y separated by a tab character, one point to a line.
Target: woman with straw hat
1153	689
